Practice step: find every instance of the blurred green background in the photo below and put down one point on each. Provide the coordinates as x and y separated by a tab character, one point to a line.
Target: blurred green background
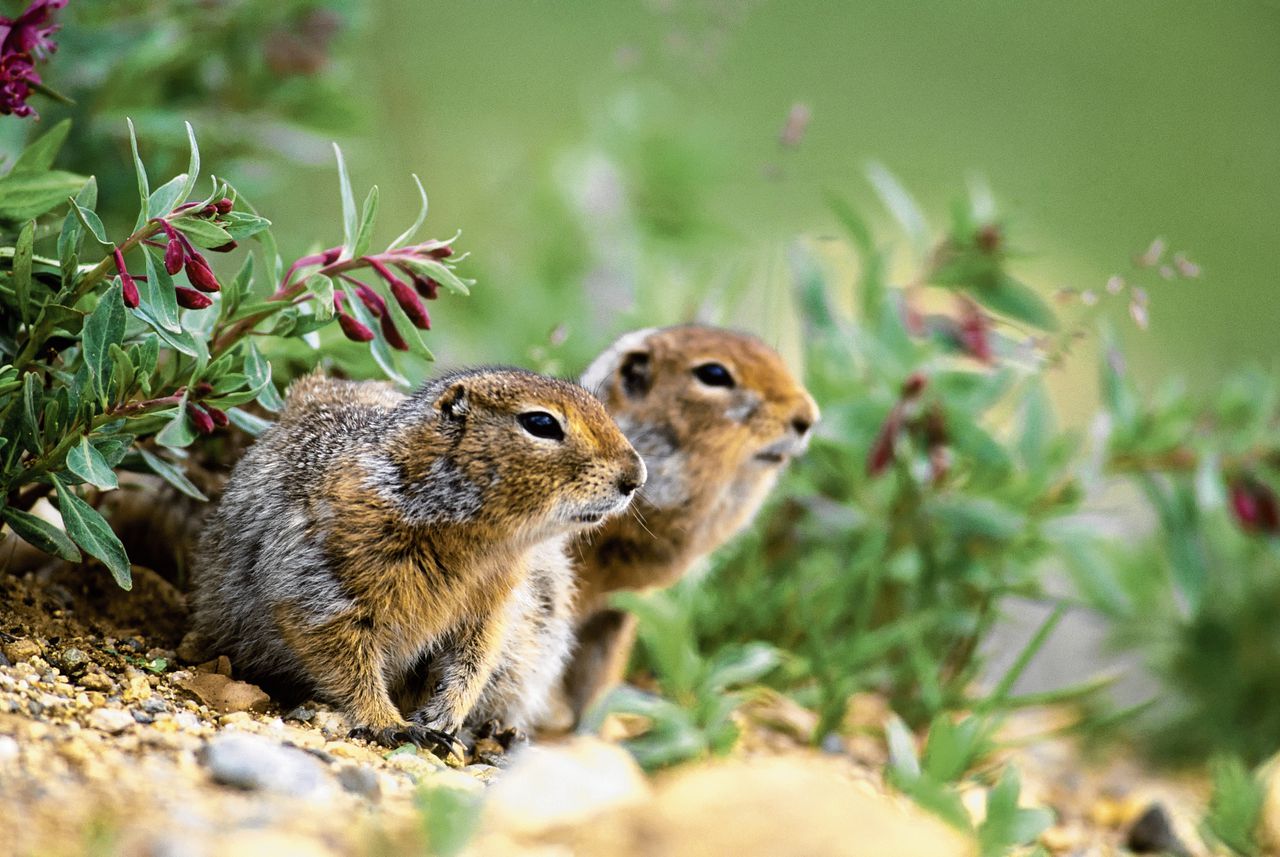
1099	126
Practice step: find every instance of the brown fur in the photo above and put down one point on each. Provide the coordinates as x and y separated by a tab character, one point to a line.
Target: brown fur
368	540
705	448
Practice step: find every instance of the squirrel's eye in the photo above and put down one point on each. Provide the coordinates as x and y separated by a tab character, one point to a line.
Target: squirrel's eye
713	375
541	424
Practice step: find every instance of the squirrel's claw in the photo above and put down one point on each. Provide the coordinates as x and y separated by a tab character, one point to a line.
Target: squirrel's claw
439	743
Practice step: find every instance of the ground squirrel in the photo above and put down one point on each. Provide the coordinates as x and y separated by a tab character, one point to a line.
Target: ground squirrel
715	414
370	542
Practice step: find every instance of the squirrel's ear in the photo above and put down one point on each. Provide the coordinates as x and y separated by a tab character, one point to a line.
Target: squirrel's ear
635	374
453	403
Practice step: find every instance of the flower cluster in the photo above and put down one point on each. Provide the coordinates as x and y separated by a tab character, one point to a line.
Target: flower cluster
179	255
24	40
401	274
909	415
204	417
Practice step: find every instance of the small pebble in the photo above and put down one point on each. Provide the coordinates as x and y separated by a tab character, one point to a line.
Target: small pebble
154	705
142	716
110	720
360	780
1153	833
21	649
301	714
74	661
252	763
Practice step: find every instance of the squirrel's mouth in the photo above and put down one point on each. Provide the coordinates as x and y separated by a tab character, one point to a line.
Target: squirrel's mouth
588	518
771	457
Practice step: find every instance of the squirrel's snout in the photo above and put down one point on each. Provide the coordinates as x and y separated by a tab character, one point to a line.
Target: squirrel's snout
633	478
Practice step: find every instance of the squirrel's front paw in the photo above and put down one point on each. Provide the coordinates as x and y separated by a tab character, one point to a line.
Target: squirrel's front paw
438	743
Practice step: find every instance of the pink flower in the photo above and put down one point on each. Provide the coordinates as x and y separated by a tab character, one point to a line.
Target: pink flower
24	40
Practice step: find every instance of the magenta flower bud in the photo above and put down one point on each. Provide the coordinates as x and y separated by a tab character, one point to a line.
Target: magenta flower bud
129	291
882	451
328	257
225	248
372	300
219	416
191	299
392	335
199	274
441	252
411	304
209	210
913	385
426	286
1255	506
223	205
201	389
128	288
174	256
972	332
200	419
353	329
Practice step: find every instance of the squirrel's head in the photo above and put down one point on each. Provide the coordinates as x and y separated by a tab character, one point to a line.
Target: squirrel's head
511	450
709	409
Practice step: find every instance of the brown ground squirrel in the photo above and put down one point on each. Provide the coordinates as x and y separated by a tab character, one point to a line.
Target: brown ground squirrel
715	414
369	541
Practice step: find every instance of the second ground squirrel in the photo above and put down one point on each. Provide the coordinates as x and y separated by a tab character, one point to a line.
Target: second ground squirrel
371	548
716	415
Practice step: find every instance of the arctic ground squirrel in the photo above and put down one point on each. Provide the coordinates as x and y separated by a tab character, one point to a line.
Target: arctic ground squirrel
370	547
716	415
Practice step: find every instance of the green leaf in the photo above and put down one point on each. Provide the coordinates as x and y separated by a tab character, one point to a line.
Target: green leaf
955	747
27	195
86	462
184	342
144	193
123	372
167	197
1235	806
368	214
1007	825
30	411
442	273
193	166
240	225
103	327
349	215
407	236
1010	298
903	760
92	223
41	534
179	432
903	208
89	530
203	233
41	153
172	474
321	285
248	422
72	232
737	666
22	269
157	293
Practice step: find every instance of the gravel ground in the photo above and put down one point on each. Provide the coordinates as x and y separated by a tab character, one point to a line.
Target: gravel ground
110	745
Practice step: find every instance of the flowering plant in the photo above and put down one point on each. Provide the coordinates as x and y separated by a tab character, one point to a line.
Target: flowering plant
125	359
24	41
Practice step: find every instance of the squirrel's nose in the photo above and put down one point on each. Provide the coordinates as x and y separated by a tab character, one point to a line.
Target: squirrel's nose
801	425
633	479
